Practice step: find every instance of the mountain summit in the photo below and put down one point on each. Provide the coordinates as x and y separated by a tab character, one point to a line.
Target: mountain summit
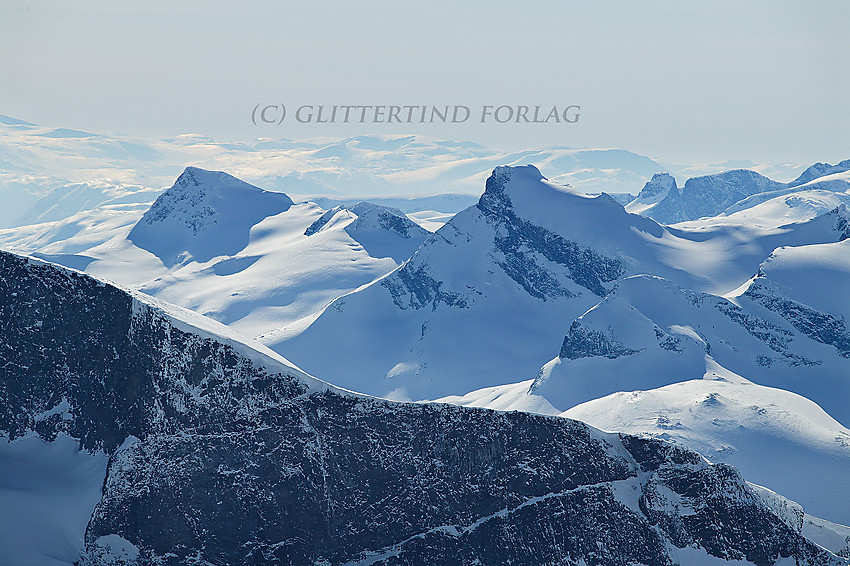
203	215
483	299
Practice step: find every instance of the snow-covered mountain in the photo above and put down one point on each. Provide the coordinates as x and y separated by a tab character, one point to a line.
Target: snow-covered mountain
209	448
205	214
649	323
229	250
489	297
381	230
427	318
708	195
662	187
750	312
809	198
729	192
725	333
820	170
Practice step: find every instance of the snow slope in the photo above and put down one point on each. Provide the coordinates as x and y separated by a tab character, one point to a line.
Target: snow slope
482	270
381	230
817	275
776	438
808	198
645	361
648	323
52	487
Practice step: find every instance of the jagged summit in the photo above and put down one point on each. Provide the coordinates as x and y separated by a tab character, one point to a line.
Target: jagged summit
660	184
728	192
528	255
371	216
199	197
517	185
203	215
662	187
707	195
522	195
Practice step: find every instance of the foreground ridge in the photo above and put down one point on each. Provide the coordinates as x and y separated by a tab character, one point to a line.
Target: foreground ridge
221	453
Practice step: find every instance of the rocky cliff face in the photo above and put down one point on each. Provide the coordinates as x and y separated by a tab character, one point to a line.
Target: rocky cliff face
702	196
660	199
712	194
219	455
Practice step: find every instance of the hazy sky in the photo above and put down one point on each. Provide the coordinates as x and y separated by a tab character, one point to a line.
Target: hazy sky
675	80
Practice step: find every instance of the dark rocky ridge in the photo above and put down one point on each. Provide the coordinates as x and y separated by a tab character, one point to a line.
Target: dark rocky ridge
216	460
819	326
581	342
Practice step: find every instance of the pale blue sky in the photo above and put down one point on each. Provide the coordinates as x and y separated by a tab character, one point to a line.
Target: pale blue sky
676	80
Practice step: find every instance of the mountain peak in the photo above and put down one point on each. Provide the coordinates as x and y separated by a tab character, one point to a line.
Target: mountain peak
198	184
659	199
506	177
523	193
205	213
383	231
510	171
703	196
660	184
521	187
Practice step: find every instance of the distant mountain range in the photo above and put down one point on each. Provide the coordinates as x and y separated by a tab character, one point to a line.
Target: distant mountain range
49	173
710	195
